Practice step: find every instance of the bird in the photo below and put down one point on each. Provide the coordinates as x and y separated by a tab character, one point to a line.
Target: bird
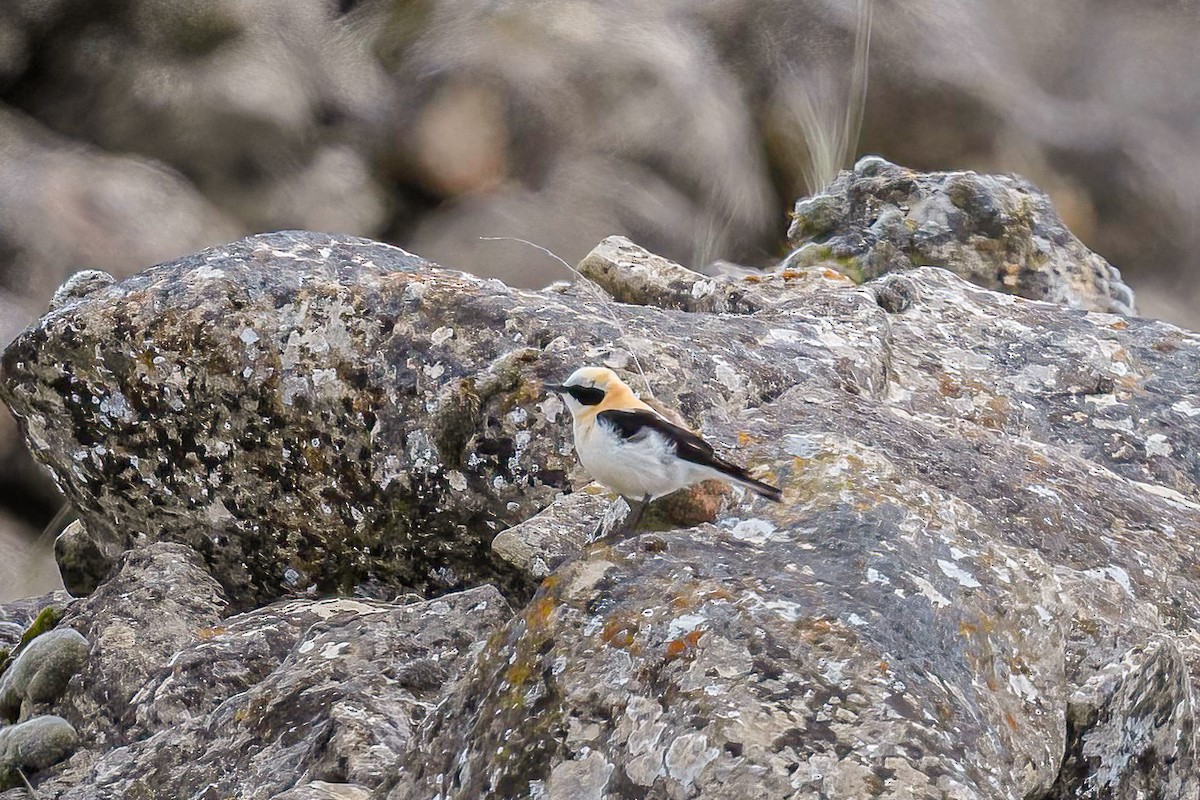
634	450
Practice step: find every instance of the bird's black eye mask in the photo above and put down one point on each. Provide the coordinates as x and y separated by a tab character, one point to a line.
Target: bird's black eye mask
587	395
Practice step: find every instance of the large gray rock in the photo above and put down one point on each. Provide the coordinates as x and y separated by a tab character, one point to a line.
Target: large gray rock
159	600
980	584
360	418
995	231
319	711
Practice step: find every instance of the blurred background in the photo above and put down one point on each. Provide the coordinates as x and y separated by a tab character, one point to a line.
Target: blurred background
136	131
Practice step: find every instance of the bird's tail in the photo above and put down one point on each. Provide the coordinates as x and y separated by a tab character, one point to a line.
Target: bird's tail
739	476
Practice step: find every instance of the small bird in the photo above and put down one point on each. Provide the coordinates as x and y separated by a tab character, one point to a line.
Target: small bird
636	451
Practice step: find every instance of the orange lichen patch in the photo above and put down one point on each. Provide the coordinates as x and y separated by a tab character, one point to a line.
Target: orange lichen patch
948	388
1119	325
540	611
204	634
751	279
743	438
967	629
719	593
996	415
682	602
1010	720
619	633
883	666
834	275
685	645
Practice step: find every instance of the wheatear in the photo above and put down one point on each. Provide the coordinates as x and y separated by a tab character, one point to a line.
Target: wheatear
637	452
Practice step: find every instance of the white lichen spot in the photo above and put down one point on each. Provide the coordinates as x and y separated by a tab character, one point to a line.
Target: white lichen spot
551	407
1186	408
442	335
684	624
458	481
1157	445
783	336
952	570
334	650
248	336
727	375
936	598
753	531
1022	686
117	407
306	647
802	445
1043	491
1116	573
703	288
1043	615
1124	424
687	756
875	576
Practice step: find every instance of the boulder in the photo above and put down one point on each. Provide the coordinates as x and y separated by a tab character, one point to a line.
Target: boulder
159	600
318	710
995	231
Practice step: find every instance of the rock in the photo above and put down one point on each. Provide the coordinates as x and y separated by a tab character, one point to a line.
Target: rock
1124	727
320	378
760	654
323	790
544	541
80	285
323	712
218	94
999	232
32	746
159	600
39	674
85	560
233	656
985	531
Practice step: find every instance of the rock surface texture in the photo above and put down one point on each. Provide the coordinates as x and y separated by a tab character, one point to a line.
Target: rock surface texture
996	231
981	583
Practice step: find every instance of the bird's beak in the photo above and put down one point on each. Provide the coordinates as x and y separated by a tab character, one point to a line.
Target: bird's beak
554	387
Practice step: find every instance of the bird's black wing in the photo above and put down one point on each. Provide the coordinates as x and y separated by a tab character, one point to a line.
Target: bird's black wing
635	424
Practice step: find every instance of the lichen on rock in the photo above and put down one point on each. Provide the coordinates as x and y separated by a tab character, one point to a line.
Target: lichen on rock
981	583
998	231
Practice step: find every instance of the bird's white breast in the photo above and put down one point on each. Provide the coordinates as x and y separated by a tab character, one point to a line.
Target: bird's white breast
633	469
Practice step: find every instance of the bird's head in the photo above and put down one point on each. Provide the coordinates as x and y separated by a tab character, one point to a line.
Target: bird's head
588	387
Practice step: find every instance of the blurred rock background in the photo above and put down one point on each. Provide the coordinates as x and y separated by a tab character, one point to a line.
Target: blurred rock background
135	131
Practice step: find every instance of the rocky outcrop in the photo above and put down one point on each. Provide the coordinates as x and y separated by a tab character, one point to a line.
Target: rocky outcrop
980	583
133	133
995	231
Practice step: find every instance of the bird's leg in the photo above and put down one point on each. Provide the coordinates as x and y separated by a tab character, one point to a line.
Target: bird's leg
636	509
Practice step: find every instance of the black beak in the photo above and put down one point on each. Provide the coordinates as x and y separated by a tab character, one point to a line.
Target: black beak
555	387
